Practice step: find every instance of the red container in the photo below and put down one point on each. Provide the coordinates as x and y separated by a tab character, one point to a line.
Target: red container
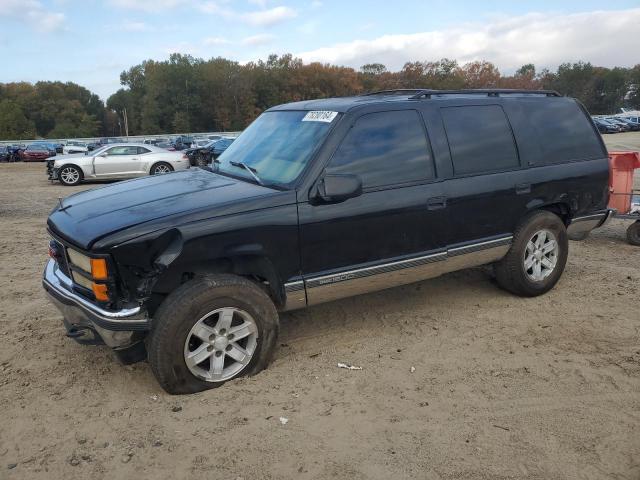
621	167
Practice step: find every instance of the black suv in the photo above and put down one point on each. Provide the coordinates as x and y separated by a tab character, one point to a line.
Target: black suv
319	200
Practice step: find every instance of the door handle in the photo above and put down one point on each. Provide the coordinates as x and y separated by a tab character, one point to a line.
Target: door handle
436	203
523	188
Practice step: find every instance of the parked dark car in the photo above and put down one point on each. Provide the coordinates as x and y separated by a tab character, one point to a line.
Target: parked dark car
203	156
605	127
5	154
319	200
632	126
622	125
37	152
220	146
15	152
200	156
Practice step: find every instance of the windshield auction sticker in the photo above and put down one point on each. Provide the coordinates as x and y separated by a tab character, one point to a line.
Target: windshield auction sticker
319	116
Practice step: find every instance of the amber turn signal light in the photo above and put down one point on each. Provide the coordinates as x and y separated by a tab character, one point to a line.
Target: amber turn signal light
99	268
100	291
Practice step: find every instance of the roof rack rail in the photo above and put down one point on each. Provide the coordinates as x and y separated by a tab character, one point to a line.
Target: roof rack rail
490	92
399	91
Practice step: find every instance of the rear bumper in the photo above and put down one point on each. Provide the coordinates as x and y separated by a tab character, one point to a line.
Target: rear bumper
86	322
580	227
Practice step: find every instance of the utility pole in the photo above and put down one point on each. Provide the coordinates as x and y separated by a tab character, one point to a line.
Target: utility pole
126	122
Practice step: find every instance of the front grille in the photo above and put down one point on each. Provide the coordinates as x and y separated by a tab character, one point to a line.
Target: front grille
61	257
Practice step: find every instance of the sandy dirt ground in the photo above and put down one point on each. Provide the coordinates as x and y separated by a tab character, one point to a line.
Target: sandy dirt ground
503	387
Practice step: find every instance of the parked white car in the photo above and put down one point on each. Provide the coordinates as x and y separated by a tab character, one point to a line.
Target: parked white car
115	161
74	147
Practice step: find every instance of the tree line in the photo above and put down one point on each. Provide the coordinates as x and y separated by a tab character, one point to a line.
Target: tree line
187	94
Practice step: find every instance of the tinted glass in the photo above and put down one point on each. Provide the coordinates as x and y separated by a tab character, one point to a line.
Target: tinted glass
278	145
385	148
480	139
564	131
142	150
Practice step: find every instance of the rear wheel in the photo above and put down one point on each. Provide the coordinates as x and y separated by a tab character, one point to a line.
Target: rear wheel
161	168
201	160
537	257
211	330
633	233
70	175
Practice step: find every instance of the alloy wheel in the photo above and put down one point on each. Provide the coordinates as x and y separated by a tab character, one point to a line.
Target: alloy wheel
221	344
541	255
69	175
160	169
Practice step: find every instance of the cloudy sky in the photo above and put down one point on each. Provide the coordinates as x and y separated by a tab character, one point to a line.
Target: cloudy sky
90	42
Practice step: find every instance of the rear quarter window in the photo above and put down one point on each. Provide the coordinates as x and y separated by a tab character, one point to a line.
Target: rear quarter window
480	139
564	132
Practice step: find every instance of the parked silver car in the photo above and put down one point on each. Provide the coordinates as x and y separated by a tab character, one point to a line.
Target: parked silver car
119	161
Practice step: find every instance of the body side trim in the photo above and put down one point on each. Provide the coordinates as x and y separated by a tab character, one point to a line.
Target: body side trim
362	280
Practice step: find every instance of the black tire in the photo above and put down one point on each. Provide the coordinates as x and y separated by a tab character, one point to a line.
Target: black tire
182	309
159	166
67	172
510	271
201	160
633	233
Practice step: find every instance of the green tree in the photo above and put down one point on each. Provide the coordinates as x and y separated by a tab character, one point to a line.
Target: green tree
13	123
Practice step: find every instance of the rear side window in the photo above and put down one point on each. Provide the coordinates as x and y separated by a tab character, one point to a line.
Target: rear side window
142	150
385	148
564	132
480	139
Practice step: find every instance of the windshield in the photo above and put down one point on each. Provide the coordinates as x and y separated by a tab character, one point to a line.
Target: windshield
276	146
98	151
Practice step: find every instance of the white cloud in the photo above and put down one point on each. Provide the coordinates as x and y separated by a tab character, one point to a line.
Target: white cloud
34	12
211	41
601	37
130	26
259	18
147	5
260	39
269	17
316	4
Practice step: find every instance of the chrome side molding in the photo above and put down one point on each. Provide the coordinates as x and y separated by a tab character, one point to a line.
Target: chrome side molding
357	281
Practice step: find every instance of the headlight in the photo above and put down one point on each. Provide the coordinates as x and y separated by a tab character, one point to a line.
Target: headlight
95	268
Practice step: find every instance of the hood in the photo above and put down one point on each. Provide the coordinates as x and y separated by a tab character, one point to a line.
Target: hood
159	201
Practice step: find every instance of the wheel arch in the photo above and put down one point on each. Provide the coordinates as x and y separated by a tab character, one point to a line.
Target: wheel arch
75	165
559	208
254	267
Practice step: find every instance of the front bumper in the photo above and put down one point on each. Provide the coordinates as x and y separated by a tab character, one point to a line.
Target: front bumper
86	322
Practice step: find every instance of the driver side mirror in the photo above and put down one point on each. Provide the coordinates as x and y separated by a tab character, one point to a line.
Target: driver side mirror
336	188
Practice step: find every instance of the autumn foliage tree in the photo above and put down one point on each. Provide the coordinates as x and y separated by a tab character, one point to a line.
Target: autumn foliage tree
184	93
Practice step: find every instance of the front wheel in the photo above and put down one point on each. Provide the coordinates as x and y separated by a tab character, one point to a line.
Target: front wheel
70	175
537	257
211	330
160	168
633	233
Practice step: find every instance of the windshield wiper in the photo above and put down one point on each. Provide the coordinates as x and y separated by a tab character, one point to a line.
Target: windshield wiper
249	169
